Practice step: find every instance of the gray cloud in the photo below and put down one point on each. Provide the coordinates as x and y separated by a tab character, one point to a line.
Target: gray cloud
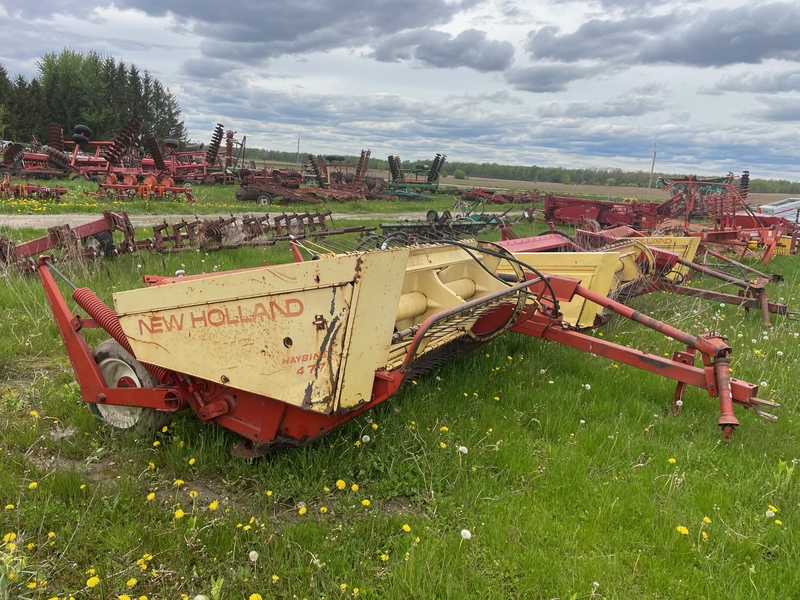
598	39
744	34
545	78
767	82
628	106
470	48
776	108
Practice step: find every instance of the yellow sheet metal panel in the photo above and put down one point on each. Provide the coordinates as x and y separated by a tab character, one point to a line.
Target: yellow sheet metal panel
685	247
595	270
276	331
369	336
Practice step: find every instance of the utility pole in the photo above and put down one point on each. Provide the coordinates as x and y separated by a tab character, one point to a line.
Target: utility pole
297	161
652	168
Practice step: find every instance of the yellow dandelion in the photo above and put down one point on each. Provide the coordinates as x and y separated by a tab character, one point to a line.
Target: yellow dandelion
92	581
192	461
31	585
778	522
255	597
164	429
150	496
131	582
682	530
9	507
179	482
416	540
33	485
34	414
51	535
772	508
303	510
269	493
214	505
9	537
156	444
275	578
354	487
355	591
407	528
193	494
384	557
365	502
374	425
246	528
706	520
91	571
444	428
326	489
152	466
124	597
671	461
705	535
323	509
342	586
442	445
358	443
179	514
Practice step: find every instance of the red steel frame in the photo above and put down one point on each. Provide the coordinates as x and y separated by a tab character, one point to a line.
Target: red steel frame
265	422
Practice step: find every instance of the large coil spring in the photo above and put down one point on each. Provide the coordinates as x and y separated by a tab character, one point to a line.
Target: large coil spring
97	309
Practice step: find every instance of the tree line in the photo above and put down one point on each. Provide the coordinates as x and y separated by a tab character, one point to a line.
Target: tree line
100	92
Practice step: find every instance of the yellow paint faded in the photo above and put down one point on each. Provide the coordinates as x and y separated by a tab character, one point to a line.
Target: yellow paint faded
595	270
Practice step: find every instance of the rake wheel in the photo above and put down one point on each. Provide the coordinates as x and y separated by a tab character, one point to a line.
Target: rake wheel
120	369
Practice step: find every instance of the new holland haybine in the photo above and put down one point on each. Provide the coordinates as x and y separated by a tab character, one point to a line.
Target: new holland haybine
283	354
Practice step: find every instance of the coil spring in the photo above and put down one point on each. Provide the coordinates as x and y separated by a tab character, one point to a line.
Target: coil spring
744	184
97	309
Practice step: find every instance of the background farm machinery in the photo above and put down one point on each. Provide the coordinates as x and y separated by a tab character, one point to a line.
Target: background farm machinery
319	342
94	240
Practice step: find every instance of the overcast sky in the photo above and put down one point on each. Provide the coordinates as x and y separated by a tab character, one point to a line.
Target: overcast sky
714	84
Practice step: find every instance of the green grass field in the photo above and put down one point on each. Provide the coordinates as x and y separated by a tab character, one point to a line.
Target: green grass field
521	470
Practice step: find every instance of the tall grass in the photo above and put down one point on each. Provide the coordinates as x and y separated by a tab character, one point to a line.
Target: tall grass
568	475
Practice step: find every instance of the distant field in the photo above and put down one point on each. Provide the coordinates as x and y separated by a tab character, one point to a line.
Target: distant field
600	190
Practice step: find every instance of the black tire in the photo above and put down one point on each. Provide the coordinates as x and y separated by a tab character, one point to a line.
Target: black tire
431	215
115	363
83	130
96	179
80	140
104	242
170	143
264	199
190	182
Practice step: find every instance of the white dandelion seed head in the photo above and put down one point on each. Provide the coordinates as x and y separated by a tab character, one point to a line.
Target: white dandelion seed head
754	341
796	334
200	597
679	403
466	534
365	438
595	584
253	556
462	449
551	381
587	386
780	353
739	335
582	422
764	384
770	513
722	305
301	505
542	371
